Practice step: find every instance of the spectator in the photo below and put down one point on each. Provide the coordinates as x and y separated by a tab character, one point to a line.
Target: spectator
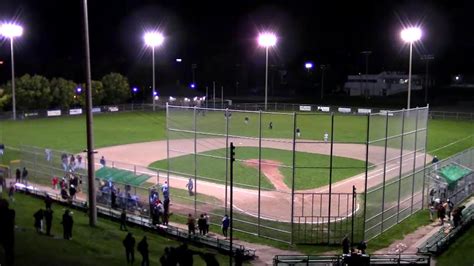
129	244
102	161
38	220
67	223
270	125
55	182
435	162
48	154
298	132
72	192
11	192
185	255
457	215
142	247
7	235
246	120
113	199
225	225
441	213
362	246
164	259
202	225
346	243
18	175
24	176
48	217
449	208
208	221
48	202
191	225
123	220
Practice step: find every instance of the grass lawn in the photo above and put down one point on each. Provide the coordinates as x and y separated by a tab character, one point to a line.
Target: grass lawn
305	177
90	246
443	132
460	252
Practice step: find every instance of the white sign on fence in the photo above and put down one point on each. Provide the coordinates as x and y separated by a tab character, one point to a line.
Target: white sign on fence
31	114
54	113
75	111
384	112
96	110
306	108
323	108
113	108
344	110
364	111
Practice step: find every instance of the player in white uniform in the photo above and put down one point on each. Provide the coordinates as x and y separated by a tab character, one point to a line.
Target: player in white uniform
326	136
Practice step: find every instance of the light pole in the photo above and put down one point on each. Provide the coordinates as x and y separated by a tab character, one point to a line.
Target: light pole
10	30
427	58
410	35
153	39
266	40
308	66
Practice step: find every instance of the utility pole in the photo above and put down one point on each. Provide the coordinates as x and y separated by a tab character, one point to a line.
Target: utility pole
366	53
323	67
231	224
427	58
214	94
222	97
354	195
89	125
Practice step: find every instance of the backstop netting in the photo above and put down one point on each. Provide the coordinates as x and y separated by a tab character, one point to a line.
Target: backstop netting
307	177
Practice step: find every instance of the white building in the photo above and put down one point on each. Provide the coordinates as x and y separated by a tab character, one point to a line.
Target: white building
383	84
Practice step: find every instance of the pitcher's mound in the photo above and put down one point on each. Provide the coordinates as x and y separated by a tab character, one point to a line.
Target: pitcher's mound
270	169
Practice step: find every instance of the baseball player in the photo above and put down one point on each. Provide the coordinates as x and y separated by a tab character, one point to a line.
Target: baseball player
326	137
298	132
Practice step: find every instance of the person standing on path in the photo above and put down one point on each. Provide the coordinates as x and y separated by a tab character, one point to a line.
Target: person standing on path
225	225
129	244
434	162
190	186
24	176
102	161
202	225
208	222
123	220
48	217
346	244
18	175
142	247
191	225
326	137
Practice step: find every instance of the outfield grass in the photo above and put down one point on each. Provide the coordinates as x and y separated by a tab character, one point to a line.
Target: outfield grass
101	245
460	252
305	178
68	133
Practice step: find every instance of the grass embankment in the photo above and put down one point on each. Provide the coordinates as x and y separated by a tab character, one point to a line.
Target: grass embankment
101	245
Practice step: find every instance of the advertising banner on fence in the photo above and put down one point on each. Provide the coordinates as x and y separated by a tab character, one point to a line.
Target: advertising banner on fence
323	108
344	110
75	111
31	114
54	113
306	108
384	112
364	111
113	109
96	110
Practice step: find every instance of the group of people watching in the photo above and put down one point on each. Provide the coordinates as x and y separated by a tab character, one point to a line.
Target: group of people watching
43	220
445	210
159	210
21	176
203	223
70	163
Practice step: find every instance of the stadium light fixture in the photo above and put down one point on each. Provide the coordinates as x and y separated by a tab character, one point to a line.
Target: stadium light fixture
78	90
410	35
11	31
192	85
267	40
153	39
308	66
135	89
179	60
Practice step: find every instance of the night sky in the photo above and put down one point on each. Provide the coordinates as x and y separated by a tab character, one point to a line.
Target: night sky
220	36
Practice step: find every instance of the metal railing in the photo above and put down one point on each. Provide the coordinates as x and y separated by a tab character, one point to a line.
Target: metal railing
359	259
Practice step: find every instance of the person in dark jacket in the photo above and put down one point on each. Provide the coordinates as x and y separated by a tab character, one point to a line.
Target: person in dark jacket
225	225
24	175
346	244
67	223
48	202
18	175
191	225
142	247
48	217
441	213
123	220
38	219
7	231
202	225
129	244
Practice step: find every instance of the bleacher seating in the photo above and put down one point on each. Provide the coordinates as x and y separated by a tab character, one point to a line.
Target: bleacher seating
438	242
360	260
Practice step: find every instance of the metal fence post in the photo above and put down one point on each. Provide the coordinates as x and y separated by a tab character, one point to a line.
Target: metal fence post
195	162
424	163
366	174
259	168
330	177
414	162
226	158
384	172
293	180
168	143
401	165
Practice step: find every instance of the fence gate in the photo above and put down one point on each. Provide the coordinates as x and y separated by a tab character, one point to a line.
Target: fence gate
323	218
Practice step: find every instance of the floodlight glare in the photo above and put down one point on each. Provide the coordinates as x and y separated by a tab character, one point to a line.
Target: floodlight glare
308	65
135	89
154	38
193	85
179	60
10	30
267	39
411	35
78	89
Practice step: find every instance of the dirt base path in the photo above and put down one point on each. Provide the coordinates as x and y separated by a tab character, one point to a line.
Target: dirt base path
271	170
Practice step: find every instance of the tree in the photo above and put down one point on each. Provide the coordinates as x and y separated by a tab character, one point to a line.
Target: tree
116	89
97	94
63	92
32	92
